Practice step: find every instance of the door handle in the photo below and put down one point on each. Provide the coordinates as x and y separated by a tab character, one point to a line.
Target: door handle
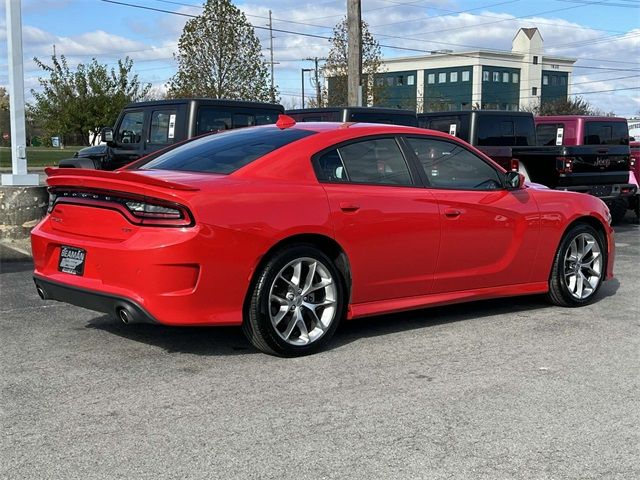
452	213
349	207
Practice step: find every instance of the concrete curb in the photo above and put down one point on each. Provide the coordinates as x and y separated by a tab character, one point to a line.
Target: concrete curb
15	250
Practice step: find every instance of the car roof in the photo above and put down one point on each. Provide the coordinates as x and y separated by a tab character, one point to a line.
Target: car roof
555	118
475	112
208	101
371	128
394	111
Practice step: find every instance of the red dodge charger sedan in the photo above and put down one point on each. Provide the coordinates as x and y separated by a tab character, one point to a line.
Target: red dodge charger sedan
287	229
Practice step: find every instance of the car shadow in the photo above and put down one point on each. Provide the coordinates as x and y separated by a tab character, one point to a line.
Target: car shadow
9	266
374	326
209	341
213	341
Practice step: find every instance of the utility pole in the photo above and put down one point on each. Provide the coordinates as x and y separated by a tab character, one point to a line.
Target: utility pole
317	78
19	174
354	52
272	63
302	70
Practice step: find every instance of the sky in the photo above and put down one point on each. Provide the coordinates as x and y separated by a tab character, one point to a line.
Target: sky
604	35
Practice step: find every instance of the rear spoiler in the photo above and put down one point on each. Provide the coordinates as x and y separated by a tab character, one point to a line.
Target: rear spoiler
58	175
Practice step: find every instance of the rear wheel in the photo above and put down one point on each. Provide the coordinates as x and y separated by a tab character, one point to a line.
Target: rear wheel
296	303
578	268
618	209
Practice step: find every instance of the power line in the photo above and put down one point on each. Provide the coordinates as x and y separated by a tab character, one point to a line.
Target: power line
329	38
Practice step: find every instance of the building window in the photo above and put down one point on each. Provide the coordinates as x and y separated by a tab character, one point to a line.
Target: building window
554	80
545	79
505	77
453	76
410	79
390	81
380	81
514	77
399	80
431	78
442	78
465	76
496	76
485	76
534	91
563	81
535	59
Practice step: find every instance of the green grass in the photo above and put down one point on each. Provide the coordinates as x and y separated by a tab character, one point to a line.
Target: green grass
38	156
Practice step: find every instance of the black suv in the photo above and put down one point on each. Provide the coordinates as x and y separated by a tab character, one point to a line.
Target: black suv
146	127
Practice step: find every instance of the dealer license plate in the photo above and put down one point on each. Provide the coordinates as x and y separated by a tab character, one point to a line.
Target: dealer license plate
72	260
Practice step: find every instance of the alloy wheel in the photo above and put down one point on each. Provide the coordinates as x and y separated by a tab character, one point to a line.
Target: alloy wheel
583	266
303	301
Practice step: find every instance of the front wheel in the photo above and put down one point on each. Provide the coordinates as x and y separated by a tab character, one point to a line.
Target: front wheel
296	303
578	267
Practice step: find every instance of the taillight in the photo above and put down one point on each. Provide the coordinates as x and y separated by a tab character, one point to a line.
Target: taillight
632	163
137	209
564	164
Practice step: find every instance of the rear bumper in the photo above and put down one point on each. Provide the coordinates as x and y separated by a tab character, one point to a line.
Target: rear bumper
179	277
604	192
97	301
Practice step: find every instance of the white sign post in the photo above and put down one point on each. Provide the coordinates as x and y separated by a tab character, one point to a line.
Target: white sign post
16	100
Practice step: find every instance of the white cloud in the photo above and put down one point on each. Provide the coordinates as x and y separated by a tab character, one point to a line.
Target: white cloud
409	26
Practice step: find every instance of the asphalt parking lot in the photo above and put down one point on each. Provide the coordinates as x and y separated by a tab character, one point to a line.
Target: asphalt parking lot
504	389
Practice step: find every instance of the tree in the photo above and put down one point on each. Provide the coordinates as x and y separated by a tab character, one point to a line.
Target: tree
335	67
219	56
575	106
81	102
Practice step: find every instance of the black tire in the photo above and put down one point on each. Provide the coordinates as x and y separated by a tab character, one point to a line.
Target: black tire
618	209
561	291
258	326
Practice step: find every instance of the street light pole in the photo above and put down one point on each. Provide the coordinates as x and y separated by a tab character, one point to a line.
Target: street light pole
19	174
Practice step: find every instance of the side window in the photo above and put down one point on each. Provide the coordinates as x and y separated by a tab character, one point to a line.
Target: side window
130	130
448	165
163	127
331	168
547	133
213	120
378	162
606	133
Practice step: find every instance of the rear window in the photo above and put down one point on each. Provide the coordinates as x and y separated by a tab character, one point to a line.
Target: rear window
606	133
225	152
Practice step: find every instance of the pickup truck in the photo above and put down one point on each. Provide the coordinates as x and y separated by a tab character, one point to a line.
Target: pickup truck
601	132
146	127
634	202
393	116
601	170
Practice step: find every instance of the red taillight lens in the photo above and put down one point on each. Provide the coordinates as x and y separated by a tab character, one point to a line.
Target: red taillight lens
137	209
564	164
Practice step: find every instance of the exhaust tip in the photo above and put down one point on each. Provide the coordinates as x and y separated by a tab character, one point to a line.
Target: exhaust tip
124	315
41	293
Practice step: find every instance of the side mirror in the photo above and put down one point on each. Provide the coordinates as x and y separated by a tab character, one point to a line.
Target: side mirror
107	135
514	180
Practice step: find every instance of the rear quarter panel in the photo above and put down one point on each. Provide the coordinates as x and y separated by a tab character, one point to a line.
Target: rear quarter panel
558	211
